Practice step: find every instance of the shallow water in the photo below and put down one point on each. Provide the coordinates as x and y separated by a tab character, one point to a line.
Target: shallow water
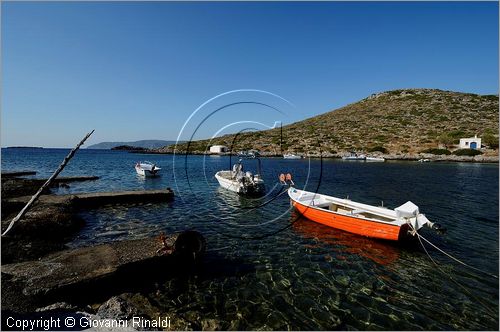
268	268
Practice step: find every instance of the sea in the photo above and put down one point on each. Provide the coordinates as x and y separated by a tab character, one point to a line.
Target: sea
268	268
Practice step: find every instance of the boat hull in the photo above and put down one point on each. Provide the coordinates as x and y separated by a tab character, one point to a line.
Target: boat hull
390	229
353	158
254	190
146	173
350	224
291	156
227	184
375	159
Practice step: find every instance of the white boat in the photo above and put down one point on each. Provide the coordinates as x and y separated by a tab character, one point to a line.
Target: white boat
248	154
241	182
376	159
354	156
291	156
146	168
423	160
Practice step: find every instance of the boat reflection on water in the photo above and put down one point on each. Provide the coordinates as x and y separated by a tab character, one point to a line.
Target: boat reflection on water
375	250
229	200
238	210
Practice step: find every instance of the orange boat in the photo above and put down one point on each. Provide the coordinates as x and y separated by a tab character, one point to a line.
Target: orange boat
373	221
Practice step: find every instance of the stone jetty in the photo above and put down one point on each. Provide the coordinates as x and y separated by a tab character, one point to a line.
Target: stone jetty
9	174
16	185
53	219
102	198
94	273
42	276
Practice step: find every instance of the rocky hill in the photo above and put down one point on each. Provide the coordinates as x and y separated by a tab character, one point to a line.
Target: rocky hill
395	122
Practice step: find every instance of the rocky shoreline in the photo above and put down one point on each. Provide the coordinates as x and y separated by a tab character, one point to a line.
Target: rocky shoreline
45	281
488	158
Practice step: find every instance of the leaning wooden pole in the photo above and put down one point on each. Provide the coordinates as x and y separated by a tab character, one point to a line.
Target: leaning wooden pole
47	183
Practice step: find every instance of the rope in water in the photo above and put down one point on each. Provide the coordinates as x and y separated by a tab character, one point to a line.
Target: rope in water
454	258
485	305
218	249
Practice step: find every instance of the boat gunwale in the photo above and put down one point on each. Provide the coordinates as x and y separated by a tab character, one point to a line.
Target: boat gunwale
257	181
396	223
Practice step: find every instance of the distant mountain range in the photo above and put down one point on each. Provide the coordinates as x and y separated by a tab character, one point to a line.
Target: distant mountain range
146	144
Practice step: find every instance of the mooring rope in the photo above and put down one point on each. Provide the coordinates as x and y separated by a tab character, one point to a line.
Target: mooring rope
456	259
485	305
452	257
218	249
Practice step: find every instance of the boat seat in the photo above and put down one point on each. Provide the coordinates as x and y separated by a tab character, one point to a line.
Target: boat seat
341	209
333	207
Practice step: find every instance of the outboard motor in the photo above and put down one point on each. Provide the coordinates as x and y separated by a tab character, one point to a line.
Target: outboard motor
409	212
249	176
438	228
417	220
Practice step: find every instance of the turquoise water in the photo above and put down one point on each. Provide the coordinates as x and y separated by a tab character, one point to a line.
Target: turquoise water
267	268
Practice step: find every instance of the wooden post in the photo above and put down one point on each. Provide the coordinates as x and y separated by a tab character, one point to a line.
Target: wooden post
47	183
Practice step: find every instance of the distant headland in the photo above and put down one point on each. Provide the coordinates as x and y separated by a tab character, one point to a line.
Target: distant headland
146	144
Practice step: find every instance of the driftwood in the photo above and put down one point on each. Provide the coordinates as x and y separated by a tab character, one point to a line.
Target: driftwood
47	183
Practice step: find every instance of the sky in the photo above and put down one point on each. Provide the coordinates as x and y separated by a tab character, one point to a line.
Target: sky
136	71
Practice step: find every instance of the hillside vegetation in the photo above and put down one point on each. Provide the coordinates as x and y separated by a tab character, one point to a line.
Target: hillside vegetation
398	122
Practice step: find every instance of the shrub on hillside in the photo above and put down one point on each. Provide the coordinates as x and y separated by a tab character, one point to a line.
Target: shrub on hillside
436	151
378	148
490	140
491	97
446	139
466	152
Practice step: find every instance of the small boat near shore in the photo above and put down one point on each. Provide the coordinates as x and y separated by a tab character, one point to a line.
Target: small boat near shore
147	169
240	181
372	221
375	159
291	156
354	156
424	161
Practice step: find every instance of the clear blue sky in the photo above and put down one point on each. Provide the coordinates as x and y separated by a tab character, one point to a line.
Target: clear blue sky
137	70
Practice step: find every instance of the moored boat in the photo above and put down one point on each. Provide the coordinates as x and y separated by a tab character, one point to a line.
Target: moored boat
354	156
372	221
146	168
240	181
374	159
291	156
